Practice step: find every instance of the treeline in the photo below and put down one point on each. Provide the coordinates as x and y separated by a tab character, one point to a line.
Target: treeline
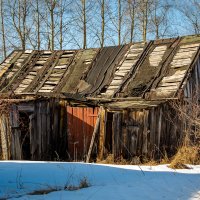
70	24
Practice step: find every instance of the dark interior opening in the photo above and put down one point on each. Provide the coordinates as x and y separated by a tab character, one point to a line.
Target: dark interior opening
109	135
24	122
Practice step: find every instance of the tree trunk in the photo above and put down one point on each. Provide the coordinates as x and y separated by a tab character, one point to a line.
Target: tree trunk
102	22
132	16
61	25
84	24
119	22
52	26
38	25
2	29
24	25
145	20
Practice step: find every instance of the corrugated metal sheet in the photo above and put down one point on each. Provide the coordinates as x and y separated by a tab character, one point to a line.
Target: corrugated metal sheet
80	122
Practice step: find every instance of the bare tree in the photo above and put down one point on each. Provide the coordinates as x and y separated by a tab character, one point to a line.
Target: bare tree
19	12
102	23
191	11
84	24
51	5
38	24
144	8
119	21
159	18
188	112
131	5
2	28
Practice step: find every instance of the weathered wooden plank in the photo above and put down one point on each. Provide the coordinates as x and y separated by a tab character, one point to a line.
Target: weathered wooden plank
5	137
45	87
117	135
189	45
40	62
102	134
52	82
96	129
168	84
41	90
60	67
16	148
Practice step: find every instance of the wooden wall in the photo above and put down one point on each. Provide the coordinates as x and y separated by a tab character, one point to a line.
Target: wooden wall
145	133
46	130
38	131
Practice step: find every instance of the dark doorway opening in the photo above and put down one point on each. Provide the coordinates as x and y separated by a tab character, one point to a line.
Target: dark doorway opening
24	124
109	134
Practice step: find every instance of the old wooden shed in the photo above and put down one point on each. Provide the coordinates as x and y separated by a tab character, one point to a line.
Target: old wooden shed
115	100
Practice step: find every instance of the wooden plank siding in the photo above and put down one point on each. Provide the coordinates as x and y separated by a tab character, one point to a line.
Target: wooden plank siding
143	133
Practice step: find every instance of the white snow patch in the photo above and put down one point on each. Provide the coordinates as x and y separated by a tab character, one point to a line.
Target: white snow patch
119	182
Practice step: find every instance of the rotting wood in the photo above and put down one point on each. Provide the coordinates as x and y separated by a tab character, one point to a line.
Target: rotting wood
16	148
102	134
5	136
42	71
96	129
117	136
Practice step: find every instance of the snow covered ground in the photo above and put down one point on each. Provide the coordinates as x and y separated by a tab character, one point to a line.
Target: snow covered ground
19	178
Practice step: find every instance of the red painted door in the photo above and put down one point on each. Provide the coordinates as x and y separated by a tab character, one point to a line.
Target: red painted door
80	125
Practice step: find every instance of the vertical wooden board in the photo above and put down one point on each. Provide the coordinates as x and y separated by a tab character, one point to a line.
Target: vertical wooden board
96	129
75	139
139	141
91	121
95	113
38	133
159	128
56	125
145	133
117	133
44	131
5	137
152	132
49	132
132	128
32	135
70	130
80	136
102	134
87	121
16	151
62	105
125	147
85	125
87	133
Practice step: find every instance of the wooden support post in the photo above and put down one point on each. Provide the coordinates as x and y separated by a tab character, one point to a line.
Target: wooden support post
96	129
117	135
5	136
16	147
102	135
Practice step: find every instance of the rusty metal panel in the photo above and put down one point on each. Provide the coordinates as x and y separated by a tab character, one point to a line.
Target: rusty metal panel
80	122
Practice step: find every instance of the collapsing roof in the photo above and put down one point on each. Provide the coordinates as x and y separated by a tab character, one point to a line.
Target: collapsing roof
140	73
